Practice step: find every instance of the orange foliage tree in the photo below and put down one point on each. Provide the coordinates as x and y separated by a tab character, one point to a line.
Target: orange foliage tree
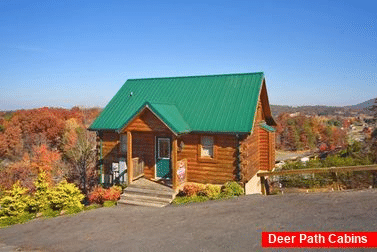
309	132
32	140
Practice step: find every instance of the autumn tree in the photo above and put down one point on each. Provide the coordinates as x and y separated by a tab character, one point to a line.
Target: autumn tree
80	151
21	171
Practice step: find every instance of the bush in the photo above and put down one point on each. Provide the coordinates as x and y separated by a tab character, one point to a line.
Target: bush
42	192
99	195
109	203
113	193
10	220
192	189
17	206
16	202
49	213
232	188
193	192
66	196
212	191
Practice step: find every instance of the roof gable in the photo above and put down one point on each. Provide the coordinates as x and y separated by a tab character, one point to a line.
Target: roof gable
213	103
168	114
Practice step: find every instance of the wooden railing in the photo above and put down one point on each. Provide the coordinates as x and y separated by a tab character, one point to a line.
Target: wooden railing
264	174
138	168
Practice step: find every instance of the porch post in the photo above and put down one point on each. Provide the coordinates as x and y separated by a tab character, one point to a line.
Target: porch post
130	169
174	162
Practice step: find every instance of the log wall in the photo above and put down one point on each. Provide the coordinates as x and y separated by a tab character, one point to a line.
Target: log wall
264	150
249	148
110	149
216	170
257	149
147	122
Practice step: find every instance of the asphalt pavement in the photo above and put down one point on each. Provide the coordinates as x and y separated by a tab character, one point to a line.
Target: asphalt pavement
227	225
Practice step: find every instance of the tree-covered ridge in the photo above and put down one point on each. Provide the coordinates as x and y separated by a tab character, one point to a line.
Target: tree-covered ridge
310	132
52	140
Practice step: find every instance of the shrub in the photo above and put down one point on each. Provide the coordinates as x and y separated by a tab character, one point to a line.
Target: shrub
42	192
17	206
212	191
49	213
17	202
109	203
191	189
113	193
10	220
232	188
66	196
97	195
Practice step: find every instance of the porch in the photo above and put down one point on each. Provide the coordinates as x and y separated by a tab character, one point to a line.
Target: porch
162	166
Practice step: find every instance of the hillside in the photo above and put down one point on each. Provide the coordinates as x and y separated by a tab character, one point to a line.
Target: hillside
325	110
363	105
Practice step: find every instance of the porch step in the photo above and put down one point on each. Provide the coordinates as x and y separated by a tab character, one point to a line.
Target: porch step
150	192
143	192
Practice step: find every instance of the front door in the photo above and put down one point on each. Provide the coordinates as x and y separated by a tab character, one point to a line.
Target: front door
163	157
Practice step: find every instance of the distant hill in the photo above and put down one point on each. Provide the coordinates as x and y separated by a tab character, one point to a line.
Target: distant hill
363	105
325	110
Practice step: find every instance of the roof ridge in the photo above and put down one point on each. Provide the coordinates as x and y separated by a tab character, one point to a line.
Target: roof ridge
195	76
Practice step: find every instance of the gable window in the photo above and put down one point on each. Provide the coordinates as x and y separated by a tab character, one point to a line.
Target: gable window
207	146
123	143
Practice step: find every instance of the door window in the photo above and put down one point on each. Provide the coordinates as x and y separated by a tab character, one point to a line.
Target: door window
163	148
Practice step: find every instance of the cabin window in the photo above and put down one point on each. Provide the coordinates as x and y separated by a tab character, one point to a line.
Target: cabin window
207	146
123	143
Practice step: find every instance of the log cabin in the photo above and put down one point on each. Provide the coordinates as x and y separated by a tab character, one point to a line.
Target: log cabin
204	129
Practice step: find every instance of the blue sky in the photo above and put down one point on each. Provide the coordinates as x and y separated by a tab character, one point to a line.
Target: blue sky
67	53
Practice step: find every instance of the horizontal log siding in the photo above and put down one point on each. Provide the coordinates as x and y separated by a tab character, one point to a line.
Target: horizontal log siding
217	171
249	156
110	148
272	150
249	148
143	147
264	150
147	122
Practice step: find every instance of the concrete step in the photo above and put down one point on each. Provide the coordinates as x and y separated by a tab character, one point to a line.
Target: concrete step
141	203
144	192
150	192
152	186
145	198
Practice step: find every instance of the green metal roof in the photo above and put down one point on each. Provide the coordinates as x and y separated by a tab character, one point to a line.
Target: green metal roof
169	114
267	127
211	103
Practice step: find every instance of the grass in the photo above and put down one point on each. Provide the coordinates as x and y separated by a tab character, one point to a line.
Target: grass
185	199
109	203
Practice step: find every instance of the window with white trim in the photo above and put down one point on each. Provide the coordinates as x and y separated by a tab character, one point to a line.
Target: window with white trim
207	146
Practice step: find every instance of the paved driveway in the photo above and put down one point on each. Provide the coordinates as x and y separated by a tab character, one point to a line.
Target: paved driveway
232	225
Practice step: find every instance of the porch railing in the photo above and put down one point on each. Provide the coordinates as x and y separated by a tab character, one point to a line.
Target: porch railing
138	168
